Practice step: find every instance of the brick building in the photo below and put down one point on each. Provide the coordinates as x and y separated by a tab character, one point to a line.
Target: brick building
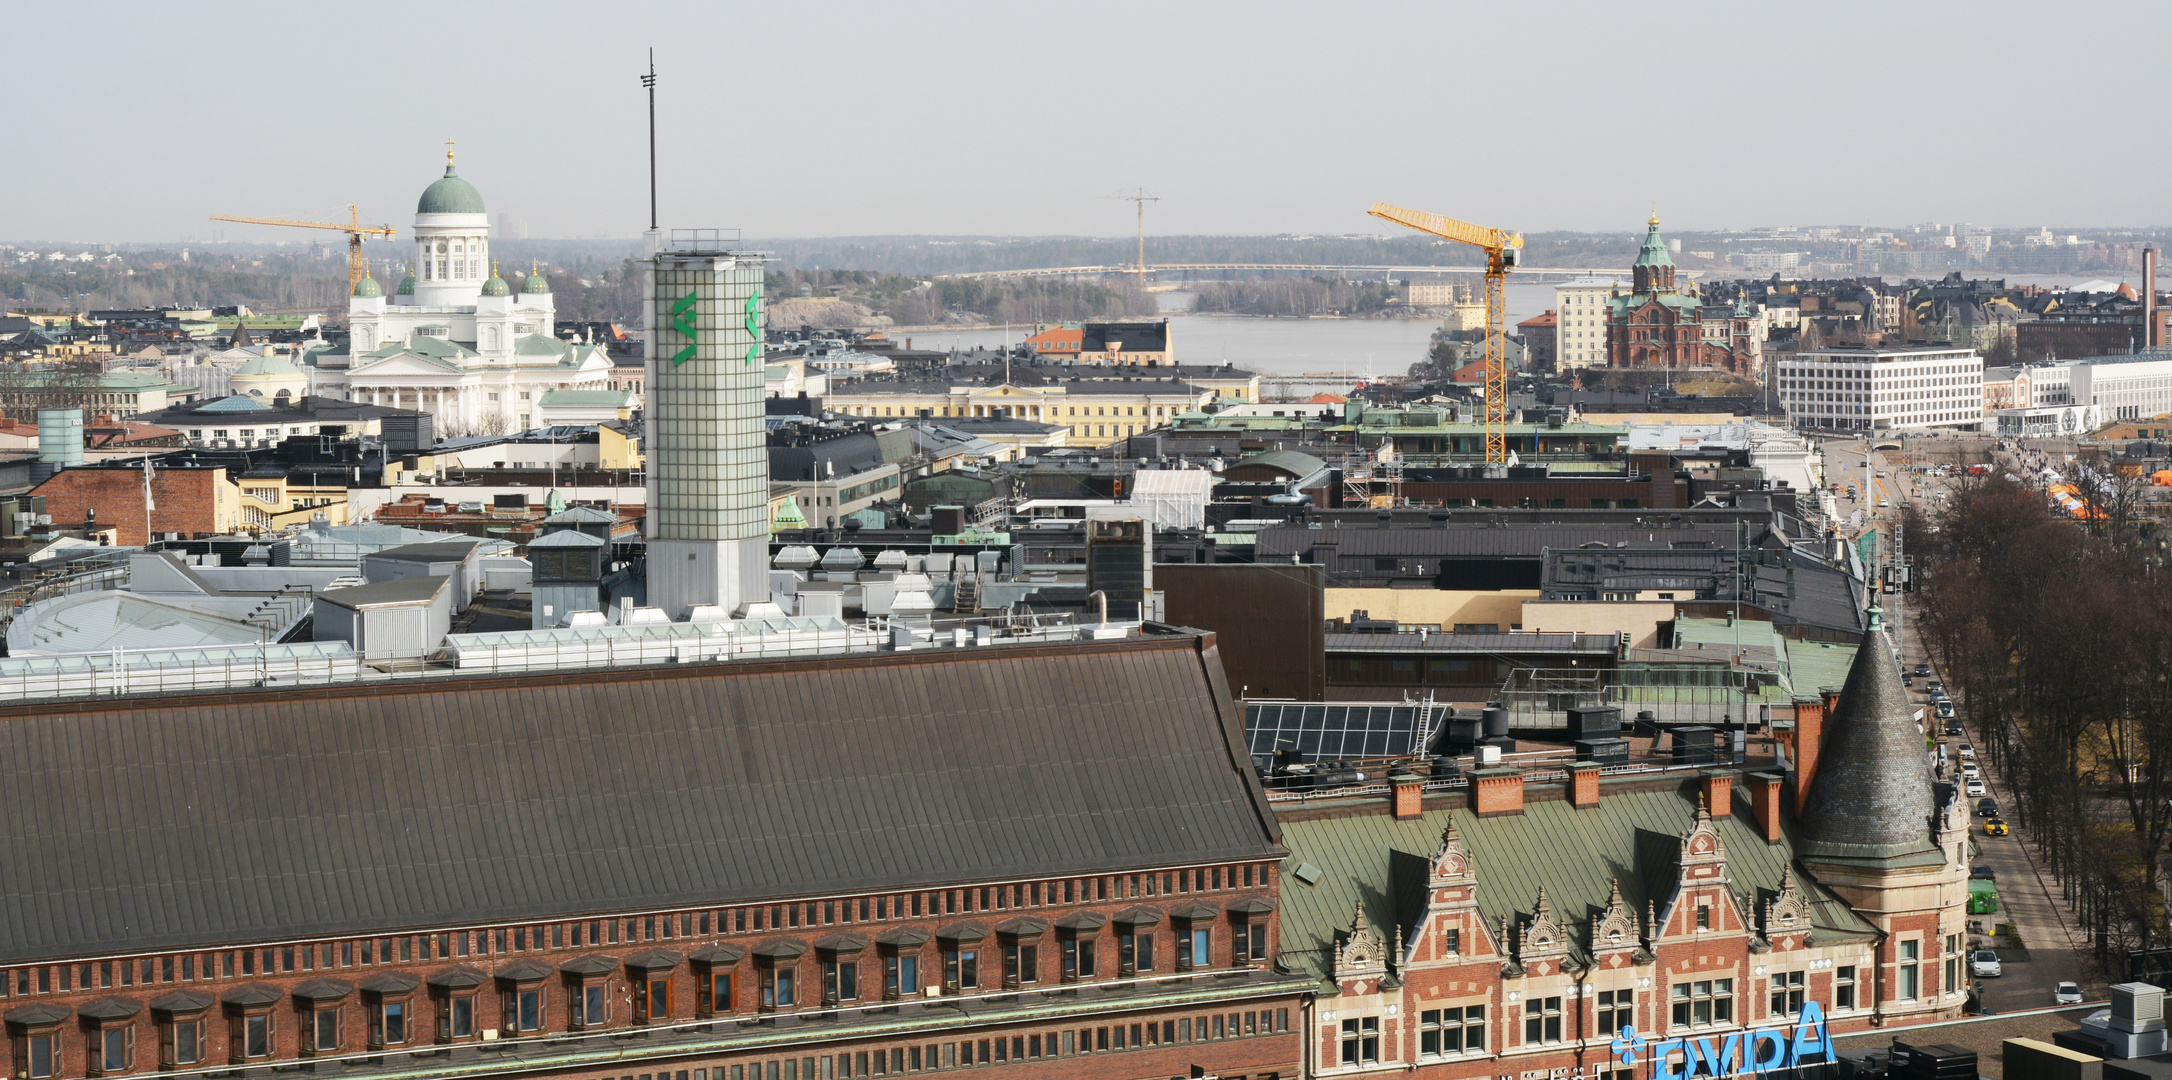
796	870
1660	325
1521	930
187	499
1541	341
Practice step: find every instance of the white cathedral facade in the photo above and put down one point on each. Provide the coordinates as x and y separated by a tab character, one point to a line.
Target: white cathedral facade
454	339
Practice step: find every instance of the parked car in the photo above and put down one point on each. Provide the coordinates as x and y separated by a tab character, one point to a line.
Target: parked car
1975	789
1984	873
1922	671
1908	680
1987	808
1937	688
2067	994
1969	769
1954	728
1995	827
1945	709
1984	964
1968	753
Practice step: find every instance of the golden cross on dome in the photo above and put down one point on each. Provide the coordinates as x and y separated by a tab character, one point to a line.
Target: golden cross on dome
448	152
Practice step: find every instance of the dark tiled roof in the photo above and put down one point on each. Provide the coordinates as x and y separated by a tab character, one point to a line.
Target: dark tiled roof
1871	798
185	821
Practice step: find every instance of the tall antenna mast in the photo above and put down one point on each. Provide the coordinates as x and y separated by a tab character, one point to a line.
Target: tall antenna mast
649	81
1139	196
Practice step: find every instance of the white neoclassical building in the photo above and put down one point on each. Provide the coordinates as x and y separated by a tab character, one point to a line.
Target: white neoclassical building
455	339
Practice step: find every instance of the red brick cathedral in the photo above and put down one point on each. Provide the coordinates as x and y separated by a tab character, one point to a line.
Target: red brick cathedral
1659	325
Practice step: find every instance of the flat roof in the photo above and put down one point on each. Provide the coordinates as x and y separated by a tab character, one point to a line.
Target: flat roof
383	593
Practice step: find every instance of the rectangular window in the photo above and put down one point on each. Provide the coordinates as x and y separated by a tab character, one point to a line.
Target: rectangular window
1442	1032
1786	993
324	1030
1078	958
778	987
40	1052
388	1025
256	1036
1704	1002
1911	973
590	1007
1541	1021
460	1019
900	976
1195	949
1361	1040
528	1011
653	999
116	1049
841	980
1617	1010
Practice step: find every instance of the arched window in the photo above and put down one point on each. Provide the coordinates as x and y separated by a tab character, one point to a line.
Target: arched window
281	397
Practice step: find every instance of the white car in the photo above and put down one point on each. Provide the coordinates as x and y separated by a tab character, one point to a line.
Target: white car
1984	964
2067	994
1969	769
1968	753
1976	790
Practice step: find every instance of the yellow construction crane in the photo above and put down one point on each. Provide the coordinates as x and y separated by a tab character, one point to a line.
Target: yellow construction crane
357	266
1504	251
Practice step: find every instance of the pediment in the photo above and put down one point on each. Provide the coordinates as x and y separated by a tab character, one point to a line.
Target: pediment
404	364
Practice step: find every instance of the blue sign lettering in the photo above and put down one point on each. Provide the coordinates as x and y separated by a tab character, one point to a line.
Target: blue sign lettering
1741	1053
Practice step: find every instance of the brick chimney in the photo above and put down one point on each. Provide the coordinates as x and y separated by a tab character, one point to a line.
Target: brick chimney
1719	792
1809	736
1584	785
1496	792
1409	795
1765	803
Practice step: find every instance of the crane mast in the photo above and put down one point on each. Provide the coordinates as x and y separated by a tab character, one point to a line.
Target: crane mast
1504	251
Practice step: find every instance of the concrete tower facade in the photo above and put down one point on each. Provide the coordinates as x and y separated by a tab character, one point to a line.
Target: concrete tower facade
708	475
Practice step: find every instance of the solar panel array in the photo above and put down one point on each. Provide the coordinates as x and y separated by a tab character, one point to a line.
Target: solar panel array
1332	732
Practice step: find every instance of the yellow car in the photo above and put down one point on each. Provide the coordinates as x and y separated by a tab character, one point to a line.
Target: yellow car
1995	827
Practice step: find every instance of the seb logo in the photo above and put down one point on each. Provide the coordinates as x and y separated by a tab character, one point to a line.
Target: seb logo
1742	1053
682	320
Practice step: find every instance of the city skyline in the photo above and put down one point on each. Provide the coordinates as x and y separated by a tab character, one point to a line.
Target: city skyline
958	120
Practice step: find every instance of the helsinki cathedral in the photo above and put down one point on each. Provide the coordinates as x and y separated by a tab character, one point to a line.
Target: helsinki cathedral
454	339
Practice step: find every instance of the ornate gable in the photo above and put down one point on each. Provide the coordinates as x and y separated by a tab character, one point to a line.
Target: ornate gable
1543	941
1704	855
1452	865
1616	927
1451	926
1360	955
1786	911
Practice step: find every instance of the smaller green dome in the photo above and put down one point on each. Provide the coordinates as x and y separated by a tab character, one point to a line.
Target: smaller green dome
368	287
496	286
536	284
407	285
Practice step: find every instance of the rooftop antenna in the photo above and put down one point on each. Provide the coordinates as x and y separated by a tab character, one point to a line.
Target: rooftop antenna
649	82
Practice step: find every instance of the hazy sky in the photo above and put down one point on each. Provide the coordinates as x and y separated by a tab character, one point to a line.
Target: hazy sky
132	122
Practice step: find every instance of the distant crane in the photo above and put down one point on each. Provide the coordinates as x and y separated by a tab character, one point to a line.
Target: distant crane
357	266
1139	196
1504	252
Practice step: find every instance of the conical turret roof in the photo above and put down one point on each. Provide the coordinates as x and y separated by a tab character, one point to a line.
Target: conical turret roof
1654	251
1871	797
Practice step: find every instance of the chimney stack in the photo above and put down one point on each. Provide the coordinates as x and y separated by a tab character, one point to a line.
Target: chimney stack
1409	795
1719	793
1765	804
1497	792
1584	785
1809	736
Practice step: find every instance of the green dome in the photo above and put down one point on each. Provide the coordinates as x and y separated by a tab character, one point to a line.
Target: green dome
450	195
407	285
536	284
368	287
1654	252
496	286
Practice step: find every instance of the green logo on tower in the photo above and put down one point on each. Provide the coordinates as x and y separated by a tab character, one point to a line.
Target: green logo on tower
682	320
754	325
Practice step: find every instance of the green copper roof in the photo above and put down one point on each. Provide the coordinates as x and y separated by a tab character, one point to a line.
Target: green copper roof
368	287
1654	252
407	285
496	286
535	285
450	195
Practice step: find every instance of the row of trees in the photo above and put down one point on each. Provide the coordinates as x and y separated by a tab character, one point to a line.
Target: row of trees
1314	296
2057	637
